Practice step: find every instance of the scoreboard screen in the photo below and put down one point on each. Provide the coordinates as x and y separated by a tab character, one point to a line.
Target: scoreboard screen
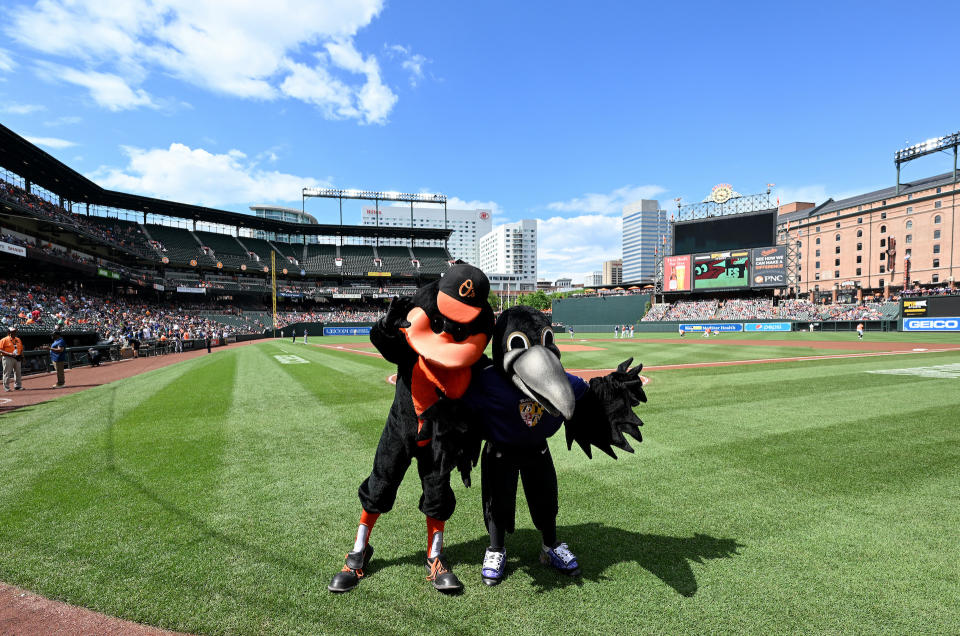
739	231
931	307
721	270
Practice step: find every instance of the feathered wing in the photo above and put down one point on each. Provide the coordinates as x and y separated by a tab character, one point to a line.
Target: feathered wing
605	413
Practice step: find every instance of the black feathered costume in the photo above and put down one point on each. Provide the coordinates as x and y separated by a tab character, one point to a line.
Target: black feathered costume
522	397
434	339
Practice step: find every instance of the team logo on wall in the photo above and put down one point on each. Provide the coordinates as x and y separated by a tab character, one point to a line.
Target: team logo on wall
484	215
530	412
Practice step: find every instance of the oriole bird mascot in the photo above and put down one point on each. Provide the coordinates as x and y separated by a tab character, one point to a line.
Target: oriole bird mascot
434	339
521	398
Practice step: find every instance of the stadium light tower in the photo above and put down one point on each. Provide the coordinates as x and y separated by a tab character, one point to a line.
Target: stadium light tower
769	188
928	147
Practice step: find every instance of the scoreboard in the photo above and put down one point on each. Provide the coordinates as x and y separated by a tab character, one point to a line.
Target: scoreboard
930	307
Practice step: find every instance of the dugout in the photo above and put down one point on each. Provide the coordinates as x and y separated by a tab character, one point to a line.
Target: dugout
600	313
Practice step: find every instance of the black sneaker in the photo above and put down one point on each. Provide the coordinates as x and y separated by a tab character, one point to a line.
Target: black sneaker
353	570
440	575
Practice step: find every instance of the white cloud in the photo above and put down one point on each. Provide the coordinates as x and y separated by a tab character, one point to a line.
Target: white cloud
50	142
21	109
63	121
576	246
413	63
251	50
610	203
108	90
6	62
194	175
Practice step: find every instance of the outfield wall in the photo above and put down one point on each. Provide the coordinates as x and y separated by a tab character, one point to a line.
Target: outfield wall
600	310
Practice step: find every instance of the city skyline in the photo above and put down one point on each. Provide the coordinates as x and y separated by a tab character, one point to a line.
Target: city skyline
246	107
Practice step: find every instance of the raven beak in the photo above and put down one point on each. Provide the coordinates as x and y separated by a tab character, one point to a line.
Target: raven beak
538	373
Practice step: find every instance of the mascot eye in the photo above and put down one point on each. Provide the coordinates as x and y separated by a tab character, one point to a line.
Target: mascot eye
547	337
518	340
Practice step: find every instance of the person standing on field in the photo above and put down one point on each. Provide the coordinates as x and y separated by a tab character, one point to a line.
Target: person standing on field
305	334
293	336
859	331
58	355
11	348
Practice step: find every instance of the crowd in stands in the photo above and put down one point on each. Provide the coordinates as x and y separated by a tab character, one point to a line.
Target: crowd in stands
765	309
36	307
351	313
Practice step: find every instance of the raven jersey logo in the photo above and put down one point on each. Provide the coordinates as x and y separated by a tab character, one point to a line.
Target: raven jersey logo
530	412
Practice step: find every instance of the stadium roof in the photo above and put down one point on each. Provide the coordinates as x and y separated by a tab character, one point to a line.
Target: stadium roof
30	162
870	197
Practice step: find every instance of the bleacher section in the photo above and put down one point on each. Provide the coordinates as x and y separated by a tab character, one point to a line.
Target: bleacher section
357	260
125	233
290	249
396	260
263	249
320	259
433	260
178	244
227	250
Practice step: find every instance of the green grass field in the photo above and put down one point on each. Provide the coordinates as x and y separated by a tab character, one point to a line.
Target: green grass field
218	495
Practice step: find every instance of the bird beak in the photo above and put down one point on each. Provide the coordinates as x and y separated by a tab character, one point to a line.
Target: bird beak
538	373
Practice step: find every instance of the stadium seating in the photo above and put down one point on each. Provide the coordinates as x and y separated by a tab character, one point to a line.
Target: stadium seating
124	233
395	259
357	260
177	244
433	260
320	258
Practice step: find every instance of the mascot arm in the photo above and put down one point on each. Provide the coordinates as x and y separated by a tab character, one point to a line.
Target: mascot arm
456	436
605	412
387	337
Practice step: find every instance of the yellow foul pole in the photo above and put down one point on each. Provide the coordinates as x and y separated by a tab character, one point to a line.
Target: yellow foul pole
273	285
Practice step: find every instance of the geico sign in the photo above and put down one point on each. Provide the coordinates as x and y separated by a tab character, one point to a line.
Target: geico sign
928	323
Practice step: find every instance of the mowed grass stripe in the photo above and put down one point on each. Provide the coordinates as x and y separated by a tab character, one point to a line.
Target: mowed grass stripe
781	518
149	474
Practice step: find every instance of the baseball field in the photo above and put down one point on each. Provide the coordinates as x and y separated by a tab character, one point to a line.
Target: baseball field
218	495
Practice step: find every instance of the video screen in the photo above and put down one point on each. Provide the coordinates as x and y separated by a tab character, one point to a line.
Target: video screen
738	231
721	270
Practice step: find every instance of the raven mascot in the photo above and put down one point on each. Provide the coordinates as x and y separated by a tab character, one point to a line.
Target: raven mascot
434	339
521	398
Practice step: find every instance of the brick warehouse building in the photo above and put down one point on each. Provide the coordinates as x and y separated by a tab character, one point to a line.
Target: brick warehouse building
860	245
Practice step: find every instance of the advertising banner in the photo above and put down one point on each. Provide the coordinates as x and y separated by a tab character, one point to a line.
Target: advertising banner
932	324
386	274
766	326
676	273
16	250
721	270
346	331
192	290
699	327
106	273
286	294
353	296
770	266
158	286
914	308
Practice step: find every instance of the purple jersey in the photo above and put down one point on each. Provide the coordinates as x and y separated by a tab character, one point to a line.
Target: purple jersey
509	416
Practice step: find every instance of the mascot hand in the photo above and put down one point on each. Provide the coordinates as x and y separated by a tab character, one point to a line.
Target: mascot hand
396	317
629	381
456	436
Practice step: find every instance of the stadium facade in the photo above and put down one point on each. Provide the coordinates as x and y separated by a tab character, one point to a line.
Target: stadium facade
278	213
646	230
467	225
511	249
865	244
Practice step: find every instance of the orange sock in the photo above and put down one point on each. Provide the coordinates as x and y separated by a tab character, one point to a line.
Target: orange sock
434	537
367	519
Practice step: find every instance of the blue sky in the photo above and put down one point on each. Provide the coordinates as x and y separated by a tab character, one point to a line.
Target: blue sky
559	111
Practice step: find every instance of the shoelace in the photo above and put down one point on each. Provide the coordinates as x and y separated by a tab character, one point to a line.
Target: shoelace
493	559
564	553
436	569
347	568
